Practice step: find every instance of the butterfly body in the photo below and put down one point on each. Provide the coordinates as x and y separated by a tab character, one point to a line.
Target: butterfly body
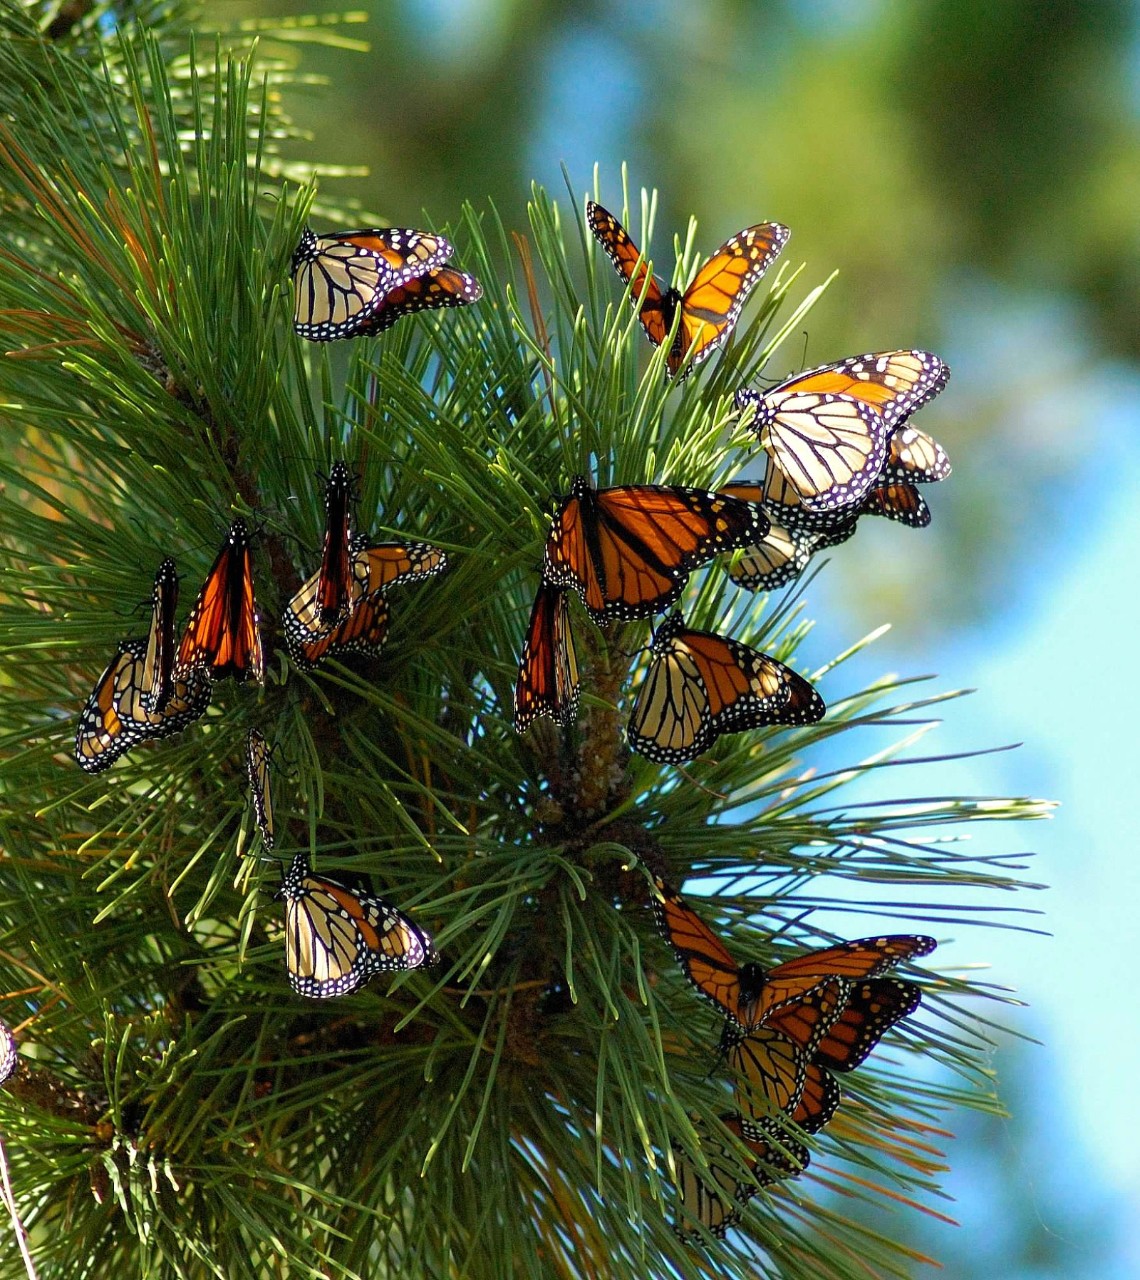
700	685
709	307
547	682
338	935
628	550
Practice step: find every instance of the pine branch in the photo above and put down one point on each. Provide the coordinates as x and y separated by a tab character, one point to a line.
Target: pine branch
513	1111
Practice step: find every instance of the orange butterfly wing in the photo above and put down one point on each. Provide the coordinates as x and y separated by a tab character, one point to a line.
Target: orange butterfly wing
711	304
628	550
334	578
365	630
439	287
872	1008
644	291
547	683
897	501
818	1099
769	1071
222	636
703	958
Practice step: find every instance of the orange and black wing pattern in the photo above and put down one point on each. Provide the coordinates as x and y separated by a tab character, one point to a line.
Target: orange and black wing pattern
700	685
223	635
547	683
338	935
827	430
375	566
769	1072
158	664
258	764
118	716
334	578
703	958
851	961
710	306
628	550
439	287
872	1008
342	279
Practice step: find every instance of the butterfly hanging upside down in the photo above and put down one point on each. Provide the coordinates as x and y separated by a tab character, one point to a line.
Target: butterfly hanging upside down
709	307
357	283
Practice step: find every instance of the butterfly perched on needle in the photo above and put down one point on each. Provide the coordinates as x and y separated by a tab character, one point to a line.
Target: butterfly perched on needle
827	430
700	685
342	607
628	550
338	933
716	1206
258	756
710	305
223	635
139	695
352	283
547	683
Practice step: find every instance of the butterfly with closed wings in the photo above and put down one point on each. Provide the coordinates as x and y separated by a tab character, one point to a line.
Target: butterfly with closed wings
700	685
547	683
140	695
338	933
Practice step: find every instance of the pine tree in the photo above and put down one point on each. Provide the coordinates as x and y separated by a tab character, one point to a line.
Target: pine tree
179	1112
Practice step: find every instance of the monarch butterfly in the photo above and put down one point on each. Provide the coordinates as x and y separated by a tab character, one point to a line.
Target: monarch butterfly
871	1008
826	430
158	665
439	287
717	1206
334	577
9	1053
547	682
338	935
710	305
628	550
257	761
375	567
748	994
341	280
223	637
700	685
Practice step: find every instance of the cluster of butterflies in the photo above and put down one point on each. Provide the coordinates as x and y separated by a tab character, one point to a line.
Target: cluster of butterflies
155	686
838	446
338	933
786	1031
